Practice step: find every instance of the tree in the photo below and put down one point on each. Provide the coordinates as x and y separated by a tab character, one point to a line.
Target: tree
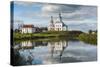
90	31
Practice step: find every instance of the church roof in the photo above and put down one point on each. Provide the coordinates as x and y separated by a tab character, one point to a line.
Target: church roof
58	21
28	26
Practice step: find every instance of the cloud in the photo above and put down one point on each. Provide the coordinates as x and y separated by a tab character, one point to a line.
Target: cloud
88	11
55	8
71	12
85	27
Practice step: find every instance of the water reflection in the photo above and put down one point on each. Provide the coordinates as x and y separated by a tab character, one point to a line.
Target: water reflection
57	47
62	51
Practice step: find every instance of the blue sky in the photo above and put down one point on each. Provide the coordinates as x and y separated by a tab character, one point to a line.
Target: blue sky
77	17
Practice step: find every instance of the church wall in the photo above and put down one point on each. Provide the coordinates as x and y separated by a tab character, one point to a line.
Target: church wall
58	26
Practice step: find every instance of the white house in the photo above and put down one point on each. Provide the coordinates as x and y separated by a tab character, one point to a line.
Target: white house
28	28
57	25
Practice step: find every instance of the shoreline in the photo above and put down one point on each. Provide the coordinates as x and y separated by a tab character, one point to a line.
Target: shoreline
49	36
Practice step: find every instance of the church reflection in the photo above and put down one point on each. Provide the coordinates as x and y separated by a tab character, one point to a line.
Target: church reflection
57	48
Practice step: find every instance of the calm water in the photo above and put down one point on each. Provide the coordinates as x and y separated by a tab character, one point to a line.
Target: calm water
41	52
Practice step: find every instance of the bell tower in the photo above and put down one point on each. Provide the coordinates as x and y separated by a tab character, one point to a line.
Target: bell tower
51	20
60	17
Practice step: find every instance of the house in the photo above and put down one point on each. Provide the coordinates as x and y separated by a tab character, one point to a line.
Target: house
57	25
29	28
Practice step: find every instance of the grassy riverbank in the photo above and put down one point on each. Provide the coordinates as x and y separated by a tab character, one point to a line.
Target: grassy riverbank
39	35
55	35
48	34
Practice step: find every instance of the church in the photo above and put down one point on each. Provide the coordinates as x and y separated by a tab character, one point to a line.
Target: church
57	25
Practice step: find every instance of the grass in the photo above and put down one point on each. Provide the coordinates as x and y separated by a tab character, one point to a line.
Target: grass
39	35
56	35
88	38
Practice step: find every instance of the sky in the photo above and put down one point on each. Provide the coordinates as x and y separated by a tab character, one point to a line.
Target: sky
77	17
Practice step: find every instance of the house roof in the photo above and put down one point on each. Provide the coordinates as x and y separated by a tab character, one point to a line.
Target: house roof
28	26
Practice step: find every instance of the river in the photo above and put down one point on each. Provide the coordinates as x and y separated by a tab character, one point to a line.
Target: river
53	52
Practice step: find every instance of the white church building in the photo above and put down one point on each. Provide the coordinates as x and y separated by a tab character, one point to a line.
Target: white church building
57	25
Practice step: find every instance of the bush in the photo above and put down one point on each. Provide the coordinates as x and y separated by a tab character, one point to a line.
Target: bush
88	38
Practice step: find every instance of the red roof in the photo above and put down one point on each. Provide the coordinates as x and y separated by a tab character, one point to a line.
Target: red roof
28	26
